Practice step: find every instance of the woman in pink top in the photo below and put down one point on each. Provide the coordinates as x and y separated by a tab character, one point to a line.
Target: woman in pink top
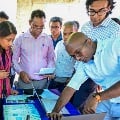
7	35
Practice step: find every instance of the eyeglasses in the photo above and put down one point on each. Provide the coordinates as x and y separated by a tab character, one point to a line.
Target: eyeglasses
100	12
38	27
78	51
54	27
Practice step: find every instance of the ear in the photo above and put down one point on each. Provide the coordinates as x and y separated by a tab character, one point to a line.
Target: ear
60	27
109	9
30	22
89	41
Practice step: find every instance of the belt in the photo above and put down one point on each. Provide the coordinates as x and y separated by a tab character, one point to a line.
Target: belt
37	80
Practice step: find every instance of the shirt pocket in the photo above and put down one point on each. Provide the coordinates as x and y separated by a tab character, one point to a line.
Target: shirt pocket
44	51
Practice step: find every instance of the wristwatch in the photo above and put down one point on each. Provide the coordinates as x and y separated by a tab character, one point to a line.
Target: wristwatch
97	96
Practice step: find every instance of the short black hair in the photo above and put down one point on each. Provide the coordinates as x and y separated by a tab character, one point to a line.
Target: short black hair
3	15
38	13
116	20
69	23
110	2
77	24
56	19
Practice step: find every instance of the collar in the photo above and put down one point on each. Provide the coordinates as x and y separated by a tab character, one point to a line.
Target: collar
59	37
105	22
27	34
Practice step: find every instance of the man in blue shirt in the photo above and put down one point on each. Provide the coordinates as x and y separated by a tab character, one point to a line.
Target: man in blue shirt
102	70
100	26
64	63
55	25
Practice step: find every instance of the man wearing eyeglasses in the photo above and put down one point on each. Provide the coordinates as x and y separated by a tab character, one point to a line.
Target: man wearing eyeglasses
55	25
64	63
32	51
100	26
103	70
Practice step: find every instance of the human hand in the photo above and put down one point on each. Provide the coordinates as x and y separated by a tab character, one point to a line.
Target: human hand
98	89
3	74
54	116
24	76
90	105
14	92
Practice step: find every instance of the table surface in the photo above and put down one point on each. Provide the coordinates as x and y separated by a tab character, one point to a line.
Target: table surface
39	106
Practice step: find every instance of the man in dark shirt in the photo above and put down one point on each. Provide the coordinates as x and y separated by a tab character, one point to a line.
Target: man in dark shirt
55	25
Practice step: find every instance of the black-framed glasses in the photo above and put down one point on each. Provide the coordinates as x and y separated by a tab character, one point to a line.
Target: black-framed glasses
78	51
38	27
100	12
54	27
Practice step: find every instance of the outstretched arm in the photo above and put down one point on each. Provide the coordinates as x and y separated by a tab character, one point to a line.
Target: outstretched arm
112	92
62	101
95	98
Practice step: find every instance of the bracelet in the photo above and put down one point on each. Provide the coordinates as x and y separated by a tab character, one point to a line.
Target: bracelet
97	96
